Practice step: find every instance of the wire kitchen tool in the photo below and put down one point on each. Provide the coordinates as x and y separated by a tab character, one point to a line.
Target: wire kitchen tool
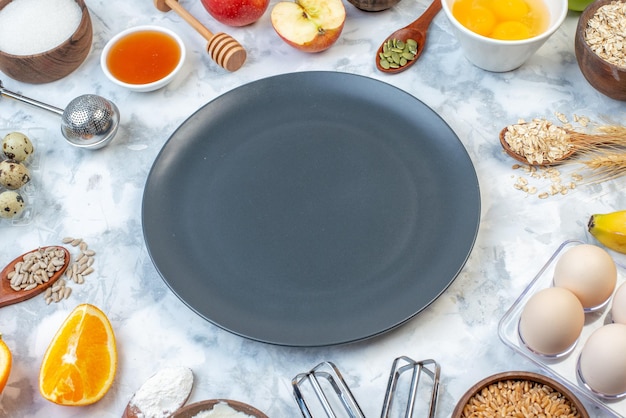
328	371
325	379
88	121
223	48
405	364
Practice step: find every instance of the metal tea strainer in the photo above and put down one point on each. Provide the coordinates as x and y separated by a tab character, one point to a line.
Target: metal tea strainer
88	121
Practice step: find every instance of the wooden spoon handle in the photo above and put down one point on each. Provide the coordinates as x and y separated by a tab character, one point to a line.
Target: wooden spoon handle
422	22
226	51
223	48
190	19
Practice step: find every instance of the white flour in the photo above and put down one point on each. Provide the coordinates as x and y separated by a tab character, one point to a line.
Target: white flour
221	410
163	393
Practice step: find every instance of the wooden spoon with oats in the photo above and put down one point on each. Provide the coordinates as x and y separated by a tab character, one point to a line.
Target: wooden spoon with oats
542	143
17	290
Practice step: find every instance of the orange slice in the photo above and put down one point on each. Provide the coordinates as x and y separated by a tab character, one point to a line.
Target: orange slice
80	363
6	359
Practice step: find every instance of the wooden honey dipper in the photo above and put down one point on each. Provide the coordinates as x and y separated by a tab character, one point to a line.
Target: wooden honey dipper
223	48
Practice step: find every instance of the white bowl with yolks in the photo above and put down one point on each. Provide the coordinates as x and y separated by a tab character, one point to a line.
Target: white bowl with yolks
498	55
143	58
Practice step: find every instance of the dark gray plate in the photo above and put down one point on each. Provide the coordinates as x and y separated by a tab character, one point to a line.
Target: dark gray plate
311	209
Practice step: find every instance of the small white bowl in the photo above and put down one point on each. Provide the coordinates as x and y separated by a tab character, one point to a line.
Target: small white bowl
147	86
498	55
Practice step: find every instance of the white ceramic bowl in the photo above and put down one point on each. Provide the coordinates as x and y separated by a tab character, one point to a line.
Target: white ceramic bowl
147	86
498	55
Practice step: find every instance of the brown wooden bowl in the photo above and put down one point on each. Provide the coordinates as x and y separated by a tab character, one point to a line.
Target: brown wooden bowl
193	409
373	5
521	376
54	64
607	78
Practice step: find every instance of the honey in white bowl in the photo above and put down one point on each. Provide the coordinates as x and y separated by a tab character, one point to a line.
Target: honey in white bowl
143	57
507	20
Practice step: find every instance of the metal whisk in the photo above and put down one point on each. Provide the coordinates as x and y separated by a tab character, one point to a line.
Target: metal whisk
88	121
333	394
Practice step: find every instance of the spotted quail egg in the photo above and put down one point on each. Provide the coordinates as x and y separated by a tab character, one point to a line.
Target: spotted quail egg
17	146
11	204
13	174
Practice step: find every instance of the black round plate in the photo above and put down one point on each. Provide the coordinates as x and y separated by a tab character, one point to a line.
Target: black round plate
311	209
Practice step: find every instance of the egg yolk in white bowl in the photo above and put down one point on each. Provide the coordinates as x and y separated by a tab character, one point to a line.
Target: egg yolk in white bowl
503	19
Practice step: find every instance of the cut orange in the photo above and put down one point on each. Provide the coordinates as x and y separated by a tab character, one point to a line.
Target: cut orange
80	363
6	360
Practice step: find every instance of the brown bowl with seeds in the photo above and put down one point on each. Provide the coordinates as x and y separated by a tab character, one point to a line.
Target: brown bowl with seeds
54	40
600	59
531	394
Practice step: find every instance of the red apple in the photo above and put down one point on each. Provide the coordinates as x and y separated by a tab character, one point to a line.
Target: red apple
236	12
309	25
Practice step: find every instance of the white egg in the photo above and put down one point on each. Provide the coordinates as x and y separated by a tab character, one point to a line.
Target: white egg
589	272
551	321
602	363
618	306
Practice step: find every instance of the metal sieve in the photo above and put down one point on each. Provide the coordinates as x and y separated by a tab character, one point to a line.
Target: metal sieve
88	121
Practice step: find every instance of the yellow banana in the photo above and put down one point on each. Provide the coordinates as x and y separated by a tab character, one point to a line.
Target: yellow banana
609	229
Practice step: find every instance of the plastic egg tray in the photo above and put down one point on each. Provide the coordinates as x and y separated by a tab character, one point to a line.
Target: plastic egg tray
30	191
563	368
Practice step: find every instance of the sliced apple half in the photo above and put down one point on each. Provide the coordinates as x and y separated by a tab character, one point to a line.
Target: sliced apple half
309	25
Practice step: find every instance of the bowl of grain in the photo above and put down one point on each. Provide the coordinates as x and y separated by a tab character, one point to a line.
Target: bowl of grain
43	40
598	46
519	394
218	408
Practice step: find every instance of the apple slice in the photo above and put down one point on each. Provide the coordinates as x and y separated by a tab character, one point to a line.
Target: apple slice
309	25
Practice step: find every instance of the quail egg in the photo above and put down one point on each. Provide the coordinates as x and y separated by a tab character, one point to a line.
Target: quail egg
589	272
13	174
551	321
17	146
11	204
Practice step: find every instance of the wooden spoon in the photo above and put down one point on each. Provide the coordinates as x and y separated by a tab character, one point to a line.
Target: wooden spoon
577	141
223	48
8	296
171	383
416	31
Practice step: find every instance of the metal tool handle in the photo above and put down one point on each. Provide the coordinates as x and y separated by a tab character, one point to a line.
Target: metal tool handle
331	374
32	102
404	364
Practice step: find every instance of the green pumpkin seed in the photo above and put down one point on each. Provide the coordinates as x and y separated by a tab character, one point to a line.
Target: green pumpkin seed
396	53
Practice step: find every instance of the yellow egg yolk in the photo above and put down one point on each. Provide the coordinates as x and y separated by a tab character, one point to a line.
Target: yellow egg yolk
509	9
511	31
502	19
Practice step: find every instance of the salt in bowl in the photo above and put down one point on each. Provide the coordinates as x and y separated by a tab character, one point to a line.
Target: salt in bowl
499	55
151	67
52	64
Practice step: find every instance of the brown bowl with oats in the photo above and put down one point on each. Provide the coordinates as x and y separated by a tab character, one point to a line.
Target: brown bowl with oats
525	392
602	62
